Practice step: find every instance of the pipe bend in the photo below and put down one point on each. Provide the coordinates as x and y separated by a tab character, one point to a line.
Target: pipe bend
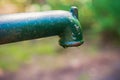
72	34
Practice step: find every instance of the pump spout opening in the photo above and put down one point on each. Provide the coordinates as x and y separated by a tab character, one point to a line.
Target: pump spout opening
73	44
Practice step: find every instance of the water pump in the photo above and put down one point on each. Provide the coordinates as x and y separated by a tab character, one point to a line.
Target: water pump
27	26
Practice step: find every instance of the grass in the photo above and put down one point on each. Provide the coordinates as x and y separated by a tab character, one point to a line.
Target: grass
12	55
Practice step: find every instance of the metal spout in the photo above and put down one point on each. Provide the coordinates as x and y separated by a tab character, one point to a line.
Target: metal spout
27	26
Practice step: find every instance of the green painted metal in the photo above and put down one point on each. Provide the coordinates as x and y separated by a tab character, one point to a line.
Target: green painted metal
26	26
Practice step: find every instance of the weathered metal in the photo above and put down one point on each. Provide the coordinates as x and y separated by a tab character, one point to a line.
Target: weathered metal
26	26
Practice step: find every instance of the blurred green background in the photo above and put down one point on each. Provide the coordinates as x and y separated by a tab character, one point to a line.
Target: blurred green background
99	20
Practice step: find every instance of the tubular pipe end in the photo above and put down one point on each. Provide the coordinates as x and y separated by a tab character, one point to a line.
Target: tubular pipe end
74	11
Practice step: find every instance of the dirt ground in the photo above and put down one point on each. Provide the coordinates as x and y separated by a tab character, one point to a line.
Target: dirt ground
71	64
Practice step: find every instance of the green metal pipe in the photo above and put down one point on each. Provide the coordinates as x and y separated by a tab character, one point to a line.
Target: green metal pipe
26	26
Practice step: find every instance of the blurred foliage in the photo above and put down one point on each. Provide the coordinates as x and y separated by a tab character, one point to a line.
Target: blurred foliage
12	55
99	20
107	16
